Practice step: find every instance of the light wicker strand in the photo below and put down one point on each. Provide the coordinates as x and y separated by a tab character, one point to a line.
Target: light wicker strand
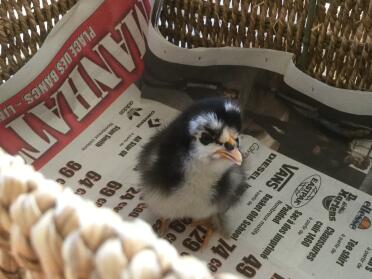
49	232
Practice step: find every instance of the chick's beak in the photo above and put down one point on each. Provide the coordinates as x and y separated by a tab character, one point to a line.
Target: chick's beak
232	153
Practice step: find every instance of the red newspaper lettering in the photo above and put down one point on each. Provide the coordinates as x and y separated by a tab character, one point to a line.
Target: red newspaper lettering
75	88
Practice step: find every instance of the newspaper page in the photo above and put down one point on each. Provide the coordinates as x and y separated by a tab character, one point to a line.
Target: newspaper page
81	109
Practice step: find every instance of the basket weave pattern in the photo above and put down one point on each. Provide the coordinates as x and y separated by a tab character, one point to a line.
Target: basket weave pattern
333	45
24	25
49	232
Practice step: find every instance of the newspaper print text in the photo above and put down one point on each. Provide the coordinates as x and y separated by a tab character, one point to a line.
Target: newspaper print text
91	70
61	66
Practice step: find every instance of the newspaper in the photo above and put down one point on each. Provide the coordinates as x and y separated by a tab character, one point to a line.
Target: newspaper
105	81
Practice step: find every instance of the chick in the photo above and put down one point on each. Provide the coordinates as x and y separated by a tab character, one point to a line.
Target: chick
193	168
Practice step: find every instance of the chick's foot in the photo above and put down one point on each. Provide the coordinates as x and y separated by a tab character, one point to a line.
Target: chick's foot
209	224
207	237
164	224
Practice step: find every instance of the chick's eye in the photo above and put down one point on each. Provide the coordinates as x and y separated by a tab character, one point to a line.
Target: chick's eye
206	139
237	141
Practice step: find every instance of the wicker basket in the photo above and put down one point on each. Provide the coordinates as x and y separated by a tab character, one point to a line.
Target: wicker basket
24	26
330	40
47	232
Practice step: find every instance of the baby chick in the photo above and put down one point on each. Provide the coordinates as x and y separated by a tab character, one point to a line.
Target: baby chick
193	167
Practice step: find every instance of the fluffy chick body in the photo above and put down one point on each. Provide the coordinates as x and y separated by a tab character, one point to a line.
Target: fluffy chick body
182	178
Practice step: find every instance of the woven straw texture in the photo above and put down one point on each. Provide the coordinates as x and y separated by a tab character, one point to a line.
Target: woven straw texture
49	232
330	40
24	25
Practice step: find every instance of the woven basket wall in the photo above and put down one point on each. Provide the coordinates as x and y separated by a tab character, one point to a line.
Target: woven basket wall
334	46
331	40
24	25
